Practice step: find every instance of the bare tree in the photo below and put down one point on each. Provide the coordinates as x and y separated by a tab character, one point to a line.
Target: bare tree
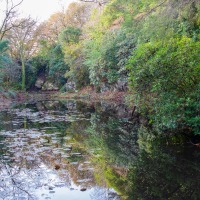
23	42
8	15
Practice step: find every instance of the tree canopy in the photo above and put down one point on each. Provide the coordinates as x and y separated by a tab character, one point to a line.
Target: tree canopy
152	46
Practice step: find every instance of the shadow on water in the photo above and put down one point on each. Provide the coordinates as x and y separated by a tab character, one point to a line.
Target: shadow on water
74	150
167	167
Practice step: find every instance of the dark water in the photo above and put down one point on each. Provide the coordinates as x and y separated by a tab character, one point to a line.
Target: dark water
77	151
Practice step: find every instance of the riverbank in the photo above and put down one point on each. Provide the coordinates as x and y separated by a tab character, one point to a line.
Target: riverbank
8	98
88	93
5	102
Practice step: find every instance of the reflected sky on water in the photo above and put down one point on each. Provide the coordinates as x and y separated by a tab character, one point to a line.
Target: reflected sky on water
73	150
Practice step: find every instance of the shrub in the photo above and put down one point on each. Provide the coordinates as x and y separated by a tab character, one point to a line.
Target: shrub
166	78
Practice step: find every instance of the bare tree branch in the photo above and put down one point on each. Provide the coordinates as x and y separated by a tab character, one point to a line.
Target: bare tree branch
9	15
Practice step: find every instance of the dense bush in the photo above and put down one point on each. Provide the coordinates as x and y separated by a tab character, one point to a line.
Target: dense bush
166	79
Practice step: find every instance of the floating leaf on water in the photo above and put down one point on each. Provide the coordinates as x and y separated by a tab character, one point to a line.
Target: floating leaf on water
67	138
60	184
76	154
22	198
67	149
47	197
83	189
6	157
57	167
51	187
87	162
90	169
84	180
74	163
68	146
44	128
66	156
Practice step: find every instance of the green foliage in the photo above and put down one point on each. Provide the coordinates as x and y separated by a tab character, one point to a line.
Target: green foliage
158	20
31	76
73	56
105	57
77	71
56	64
101	48
125	44
69	35
50	62
3	48
9	71
165	77
92	52
39	63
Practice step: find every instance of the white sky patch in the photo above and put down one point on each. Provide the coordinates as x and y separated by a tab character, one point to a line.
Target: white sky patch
40	9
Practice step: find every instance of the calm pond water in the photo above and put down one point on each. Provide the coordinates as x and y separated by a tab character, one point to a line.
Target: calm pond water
77	151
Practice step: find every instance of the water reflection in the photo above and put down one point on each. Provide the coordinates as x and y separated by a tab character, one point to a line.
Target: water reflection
41	156
167	167
72	150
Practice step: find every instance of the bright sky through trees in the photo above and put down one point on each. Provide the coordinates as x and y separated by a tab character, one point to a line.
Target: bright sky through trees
42	9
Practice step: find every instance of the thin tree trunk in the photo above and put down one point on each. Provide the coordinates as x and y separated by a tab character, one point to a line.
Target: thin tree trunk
23	73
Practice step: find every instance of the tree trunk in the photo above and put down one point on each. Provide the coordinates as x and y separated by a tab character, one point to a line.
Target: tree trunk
23	74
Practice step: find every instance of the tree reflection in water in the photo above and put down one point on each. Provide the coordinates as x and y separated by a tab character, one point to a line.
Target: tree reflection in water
167	167
18	183
23	165
36	140
93	150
